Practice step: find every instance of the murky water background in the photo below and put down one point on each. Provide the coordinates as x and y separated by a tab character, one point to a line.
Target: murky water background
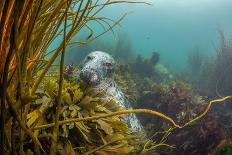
172	27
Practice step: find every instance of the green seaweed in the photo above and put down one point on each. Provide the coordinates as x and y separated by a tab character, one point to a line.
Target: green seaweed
225	149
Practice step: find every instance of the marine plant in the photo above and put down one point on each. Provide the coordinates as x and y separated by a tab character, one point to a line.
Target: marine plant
181	103
126	81
176	99
106	135
208	134
224	149
145	67
215	79
216	72
28	28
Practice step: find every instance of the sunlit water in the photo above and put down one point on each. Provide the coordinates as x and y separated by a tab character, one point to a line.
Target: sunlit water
172	27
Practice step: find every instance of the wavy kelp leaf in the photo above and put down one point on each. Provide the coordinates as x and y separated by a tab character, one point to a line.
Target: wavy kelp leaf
43	100
77	95
80	128
120	149
39	101
111	105
65	131
36	116
69	149
88	99
74	110
36	133
114	137
50	86
119	125
105	127
102	136
91	134
29	152
33	117
120	146
89	103
67	98
100	109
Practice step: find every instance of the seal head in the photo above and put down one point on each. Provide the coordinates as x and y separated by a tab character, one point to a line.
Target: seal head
98	66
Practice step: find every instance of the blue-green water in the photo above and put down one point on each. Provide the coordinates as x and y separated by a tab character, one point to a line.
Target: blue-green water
175	27
171	27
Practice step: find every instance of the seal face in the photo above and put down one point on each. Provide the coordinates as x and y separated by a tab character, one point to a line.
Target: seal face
98	66
98	71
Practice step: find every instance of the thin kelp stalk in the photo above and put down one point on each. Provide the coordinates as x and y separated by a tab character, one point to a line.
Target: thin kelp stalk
56	53
2	3
4	83
160	143
23	126
20	73
28	39
59	97
78	11
5	26
13	144
24	72
3	98
75	29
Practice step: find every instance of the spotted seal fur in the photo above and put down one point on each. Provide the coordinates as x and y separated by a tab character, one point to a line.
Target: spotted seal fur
98	71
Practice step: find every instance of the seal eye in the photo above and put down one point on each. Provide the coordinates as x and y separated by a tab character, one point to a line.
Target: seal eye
89	58
108	64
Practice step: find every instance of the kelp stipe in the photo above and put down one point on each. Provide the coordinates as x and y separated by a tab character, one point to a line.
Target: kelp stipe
27	29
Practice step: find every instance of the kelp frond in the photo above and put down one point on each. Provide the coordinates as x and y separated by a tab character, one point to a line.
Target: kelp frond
28	28
152	112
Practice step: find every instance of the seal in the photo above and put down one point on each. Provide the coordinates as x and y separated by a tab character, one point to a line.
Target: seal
98	71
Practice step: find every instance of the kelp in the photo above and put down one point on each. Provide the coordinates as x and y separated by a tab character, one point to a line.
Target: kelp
79	101
91	113
42	109
28	28
180	102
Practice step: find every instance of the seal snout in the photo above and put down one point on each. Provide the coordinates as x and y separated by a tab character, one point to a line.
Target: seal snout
97	66
90	77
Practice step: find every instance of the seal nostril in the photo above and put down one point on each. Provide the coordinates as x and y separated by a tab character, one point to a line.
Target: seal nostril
81	75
